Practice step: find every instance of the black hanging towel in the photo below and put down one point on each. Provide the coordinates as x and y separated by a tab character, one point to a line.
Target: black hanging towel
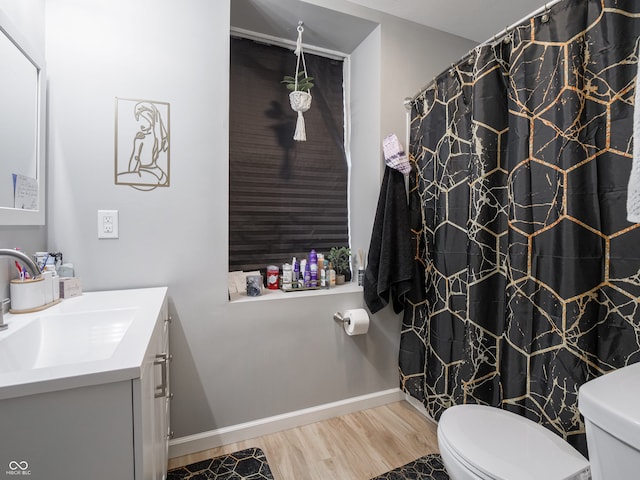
389	270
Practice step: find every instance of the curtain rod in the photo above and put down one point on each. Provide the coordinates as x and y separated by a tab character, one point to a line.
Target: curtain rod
496	38
283	42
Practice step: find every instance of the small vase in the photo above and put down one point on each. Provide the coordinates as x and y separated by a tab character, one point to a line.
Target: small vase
339	279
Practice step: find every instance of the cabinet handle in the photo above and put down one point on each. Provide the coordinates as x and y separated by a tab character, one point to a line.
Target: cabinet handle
161	359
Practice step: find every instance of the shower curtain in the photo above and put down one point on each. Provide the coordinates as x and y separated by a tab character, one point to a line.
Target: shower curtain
530	273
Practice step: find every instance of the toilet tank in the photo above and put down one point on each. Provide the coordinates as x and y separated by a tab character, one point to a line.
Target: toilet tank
611	408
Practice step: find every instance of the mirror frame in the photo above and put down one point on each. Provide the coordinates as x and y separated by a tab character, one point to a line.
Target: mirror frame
15	216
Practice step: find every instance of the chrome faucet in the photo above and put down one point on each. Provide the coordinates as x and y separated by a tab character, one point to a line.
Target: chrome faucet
32	268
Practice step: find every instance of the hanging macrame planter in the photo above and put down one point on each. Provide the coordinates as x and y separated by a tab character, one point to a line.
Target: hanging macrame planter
299	98
300	102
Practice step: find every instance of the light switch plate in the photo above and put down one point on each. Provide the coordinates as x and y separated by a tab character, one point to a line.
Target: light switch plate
107	223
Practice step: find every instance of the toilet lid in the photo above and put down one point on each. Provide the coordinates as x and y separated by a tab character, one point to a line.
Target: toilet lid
506	446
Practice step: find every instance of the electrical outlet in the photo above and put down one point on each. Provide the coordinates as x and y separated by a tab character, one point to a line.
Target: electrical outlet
107	224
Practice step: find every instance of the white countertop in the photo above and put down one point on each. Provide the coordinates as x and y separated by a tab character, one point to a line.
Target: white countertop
124	358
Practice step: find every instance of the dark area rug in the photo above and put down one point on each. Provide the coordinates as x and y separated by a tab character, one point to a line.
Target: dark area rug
249	464
429	467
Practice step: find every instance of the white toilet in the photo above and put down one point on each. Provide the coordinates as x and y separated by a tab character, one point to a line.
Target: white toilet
486	443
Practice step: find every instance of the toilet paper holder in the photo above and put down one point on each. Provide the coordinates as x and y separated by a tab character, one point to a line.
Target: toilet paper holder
354	321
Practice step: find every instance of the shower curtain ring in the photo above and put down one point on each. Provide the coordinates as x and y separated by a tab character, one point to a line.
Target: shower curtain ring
545	16
507	36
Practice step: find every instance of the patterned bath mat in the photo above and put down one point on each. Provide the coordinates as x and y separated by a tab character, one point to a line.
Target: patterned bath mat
429	467
249	464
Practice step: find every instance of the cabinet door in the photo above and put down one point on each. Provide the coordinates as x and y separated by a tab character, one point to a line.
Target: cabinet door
162	402
151	406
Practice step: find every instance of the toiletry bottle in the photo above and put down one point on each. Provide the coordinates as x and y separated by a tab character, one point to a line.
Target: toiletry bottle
303	267
307	274
273	277
332	275
321	272
313	268
326	280
295	267
320	269
287	276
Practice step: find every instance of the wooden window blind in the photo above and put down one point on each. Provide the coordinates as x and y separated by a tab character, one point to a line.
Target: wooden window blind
285	197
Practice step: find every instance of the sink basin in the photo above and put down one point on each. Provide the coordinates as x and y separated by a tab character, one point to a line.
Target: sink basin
53	340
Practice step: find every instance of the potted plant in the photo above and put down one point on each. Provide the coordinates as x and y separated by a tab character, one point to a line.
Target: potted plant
340	257
304	83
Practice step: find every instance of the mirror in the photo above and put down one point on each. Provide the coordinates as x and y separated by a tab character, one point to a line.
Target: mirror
22	95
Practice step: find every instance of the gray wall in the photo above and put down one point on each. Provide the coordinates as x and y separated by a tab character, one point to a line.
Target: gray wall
233	363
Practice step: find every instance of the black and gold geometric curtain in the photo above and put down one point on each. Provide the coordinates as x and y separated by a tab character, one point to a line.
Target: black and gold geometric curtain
531	272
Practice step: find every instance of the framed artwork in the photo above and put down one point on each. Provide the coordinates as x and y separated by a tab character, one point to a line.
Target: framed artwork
142	143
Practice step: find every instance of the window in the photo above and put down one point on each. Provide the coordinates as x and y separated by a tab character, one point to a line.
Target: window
285	197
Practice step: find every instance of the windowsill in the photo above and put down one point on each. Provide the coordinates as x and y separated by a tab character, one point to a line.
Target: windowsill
351	287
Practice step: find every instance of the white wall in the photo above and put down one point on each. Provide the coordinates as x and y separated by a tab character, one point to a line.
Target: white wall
28	17
233	363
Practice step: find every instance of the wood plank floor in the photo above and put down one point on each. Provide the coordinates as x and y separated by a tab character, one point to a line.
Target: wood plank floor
356	446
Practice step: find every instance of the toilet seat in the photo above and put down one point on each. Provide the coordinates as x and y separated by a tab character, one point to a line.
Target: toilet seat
498	445
448	450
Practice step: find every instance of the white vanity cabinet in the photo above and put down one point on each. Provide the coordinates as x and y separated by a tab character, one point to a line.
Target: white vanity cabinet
103	420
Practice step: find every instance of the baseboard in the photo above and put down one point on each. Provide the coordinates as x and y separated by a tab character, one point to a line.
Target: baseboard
265	426
417	404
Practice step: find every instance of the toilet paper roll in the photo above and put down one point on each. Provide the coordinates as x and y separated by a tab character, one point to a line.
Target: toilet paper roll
356	321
